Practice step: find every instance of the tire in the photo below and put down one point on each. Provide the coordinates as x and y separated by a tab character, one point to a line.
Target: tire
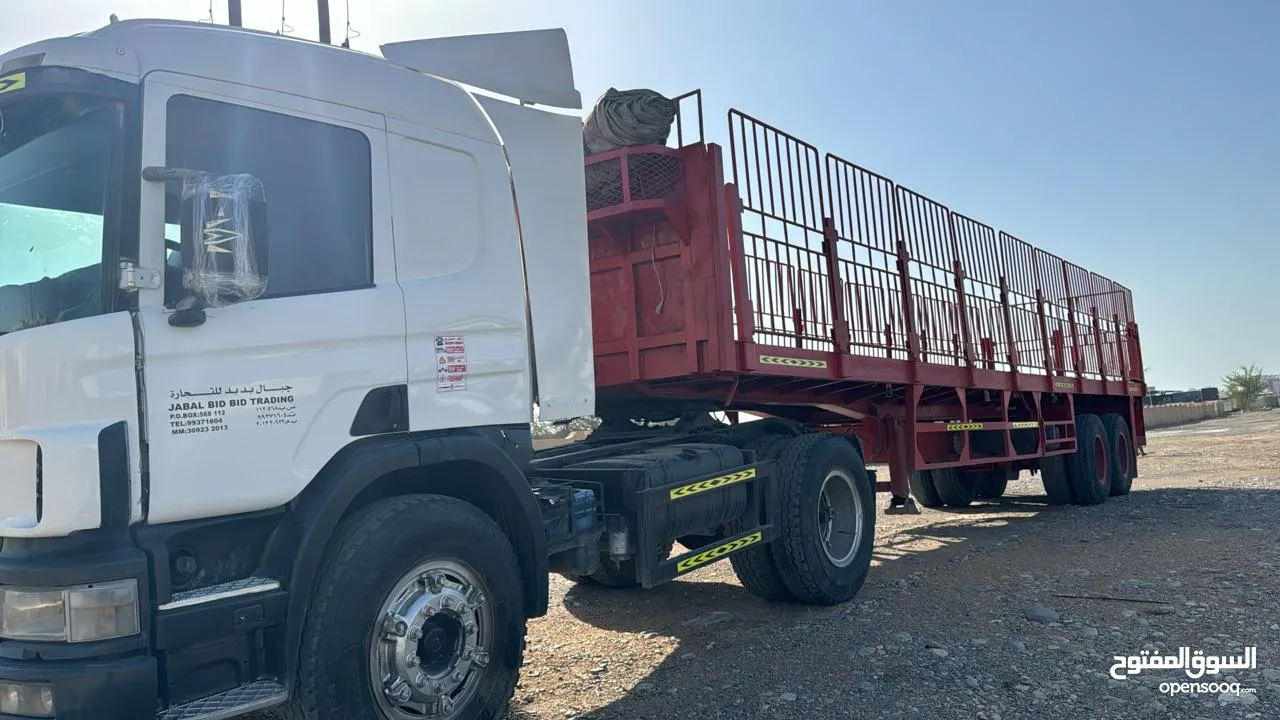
1055	474
622	574
814	469
380	549
954	489
991	485
1124	458
754	566
922	487
1091	466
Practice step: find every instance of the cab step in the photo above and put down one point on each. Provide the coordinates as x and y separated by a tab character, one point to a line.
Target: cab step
224	591
254	696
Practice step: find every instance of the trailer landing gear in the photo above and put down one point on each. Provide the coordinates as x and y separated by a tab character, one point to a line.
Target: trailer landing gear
899	505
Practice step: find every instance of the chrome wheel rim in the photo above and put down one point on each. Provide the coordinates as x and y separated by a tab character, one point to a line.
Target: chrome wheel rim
839	517
431	642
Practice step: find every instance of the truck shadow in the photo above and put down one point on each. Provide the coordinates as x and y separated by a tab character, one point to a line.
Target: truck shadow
727	654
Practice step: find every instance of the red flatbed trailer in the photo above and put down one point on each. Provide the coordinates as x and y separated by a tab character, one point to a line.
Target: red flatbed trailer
806	287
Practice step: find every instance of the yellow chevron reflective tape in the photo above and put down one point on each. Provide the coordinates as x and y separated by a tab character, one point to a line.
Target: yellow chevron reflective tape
716	482
965	426
1023	425
717	552
791	362
16	81
1064	385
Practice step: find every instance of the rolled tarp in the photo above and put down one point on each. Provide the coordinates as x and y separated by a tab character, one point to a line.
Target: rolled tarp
625	118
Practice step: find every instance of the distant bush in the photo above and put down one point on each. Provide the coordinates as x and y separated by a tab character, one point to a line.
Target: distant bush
1245	386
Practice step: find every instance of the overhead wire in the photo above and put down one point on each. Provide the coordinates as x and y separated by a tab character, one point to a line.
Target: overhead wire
352	33
285	28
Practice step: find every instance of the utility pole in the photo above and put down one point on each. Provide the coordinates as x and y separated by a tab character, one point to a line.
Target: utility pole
235	19
322	9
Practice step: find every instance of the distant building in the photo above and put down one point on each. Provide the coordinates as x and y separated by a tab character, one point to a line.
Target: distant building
1168	397
1273	383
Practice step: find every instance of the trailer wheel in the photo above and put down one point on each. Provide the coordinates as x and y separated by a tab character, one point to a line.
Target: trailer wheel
922	487
1055	475
754	566
827	519
1123	457
418	611
991	485
954	489
1092	467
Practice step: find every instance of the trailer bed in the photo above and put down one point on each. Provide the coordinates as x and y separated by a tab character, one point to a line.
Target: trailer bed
790	283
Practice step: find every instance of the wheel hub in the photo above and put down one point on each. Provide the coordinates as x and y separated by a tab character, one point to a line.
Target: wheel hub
430	646
839	517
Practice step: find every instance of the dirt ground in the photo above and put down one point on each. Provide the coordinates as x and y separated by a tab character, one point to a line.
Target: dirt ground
944	626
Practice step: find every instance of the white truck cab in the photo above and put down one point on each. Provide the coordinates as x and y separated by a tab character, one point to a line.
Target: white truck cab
418	250
274	317
386	189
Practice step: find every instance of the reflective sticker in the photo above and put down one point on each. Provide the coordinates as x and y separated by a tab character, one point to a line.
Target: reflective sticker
966	426
16	81
715	482
791	362
717	552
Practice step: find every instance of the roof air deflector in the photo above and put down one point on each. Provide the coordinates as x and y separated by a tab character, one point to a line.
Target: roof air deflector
532	66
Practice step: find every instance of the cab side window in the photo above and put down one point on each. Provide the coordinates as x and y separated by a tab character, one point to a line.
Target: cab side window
316	178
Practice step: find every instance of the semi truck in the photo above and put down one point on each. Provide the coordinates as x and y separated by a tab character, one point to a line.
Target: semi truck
277	315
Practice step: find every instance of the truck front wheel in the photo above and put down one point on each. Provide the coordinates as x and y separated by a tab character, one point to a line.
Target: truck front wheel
417	613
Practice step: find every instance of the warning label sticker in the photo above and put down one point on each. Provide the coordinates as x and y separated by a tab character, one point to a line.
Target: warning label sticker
223	408
451	363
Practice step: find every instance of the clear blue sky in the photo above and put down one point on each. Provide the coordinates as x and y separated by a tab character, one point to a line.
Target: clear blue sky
1138	138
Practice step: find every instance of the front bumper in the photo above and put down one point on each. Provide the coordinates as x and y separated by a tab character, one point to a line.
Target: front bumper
103	680
123	689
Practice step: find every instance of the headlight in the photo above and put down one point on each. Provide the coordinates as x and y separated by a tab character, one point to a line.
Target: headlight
100	611
26	700
32	614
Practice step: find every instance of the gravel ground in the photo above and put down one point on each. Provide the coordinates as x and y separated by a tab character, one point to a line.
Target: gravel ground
1010	609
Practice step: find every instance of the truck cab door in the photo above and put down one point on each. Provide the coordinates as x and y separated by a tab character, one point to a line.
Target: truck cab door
246	398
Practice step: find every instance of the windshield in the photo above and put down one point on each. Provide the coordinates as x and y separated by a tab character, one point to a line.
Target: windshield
55	156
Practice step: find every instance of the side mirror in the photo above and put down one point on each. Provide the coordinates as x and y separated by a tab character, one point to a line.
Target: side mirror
223	241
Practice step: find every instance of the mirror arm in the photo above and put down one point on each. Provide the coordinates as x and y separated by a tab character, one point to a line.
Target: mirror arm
189	313
155	173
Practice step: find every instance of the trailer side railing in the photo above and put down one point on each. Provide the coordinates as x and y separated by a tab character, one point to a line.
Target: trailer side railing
841	259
